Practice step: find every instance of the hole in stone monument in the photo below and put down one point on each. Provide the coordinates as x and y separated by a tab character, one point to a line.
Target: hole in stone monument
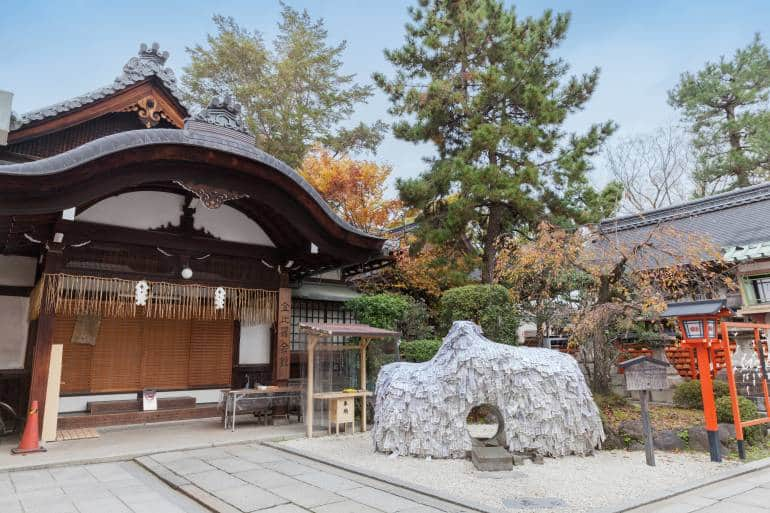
485	425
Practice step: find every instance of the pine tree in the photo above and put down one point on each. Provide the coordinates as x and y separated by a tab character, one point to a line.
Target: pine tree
726	106
294	95
483	86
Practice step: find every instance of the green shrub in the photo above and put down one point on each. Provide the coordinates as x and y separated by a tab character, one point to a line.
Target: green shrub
419	350
489	306
392	312
749	411
688	394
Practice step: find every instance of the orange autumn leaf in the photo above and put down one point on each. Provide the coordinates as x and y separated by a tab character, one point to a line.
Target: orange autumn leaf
355	189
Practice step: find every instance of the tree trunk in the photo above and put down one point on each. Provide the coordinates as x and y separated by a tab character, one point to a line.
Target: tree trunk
734	136
494	230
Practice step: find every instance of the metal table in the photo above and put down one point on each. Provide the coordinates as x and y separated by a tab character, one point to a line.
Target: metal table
231	398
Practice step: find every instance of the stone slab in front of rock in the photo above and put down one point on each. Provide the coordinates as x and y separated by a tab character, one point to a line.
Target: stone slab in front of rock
537	459
518	460
491	459
698	438
727	434
632	428
667	441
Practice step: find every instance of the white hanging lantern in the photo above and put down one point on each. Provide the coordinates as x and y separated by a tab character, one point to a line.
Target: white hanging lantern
219	298
141	293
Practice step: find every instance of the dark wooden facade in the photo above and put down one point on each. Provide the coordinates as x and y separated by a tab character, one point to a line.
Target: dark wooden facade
68	159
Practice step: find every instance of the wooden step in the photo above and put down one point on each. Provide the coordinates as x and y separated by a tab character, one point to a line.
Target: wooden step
164	403
79	421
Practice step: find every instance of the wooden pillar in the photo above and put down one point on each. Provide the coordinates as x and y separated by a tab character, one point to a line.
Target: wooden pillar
311	342
362	379
41	352
709	408
282	362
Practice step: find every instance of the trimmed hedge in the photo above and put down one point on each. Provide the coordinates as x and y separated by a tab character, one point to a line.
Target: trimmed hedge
419	350
688	394
392	312
489	306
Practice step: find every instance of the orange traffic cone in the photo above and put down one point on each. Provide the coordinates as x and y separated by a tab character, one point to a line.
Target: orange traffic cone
30	441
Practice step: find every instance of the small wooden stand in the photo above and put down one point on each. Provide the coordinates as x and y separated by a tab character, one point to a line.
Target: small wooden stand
644	374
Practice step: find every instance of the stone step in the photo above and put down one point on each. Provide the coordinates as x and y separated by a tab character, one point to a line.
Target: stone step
491	459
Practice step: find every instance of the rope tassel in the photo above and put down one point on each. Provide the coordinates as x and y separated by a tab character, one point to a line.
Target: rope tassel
72	295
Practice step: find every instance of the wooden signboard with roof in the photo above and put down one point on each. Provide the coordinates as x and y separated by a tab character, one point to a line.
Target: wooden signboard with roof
643	374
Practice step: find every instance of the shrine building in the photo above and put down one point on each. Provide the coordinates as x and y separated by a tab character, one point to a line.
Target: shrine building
161	250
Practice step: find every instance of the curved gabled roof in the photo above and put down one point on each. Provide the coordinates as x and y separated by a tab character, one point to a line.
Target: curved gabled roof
126	141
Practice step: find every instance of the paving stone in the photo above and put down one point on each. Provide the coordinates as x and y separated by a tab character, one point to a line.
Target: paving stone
284	508
102	505
250	498
188	466
106	472
60	505
210	501
6	488
72	475
32	480
42	495
163	472
208	453
290	468
726	507
266	478
686	503
533	503
9	504
307	495
256	454
215	480
759	497
725	489
345	507
85	491
328	481
421	509
233	464
154	507
165	457
383	500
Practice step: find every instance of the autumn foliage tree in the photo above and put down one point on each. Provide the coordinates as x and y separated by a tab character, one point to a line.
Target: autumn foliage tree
355	189
619	280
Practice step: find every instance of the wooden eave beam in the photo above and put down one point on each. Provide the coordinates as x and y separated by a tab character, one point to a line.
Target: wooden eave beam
76	232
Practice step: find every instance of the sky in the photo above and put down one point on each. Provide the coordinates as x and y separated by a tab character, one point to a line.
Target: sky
52	51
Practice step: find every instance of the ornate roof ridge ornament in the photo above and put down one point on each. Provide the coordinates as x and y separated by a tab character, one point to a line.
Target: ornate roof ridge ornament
222	116
153	53
148	62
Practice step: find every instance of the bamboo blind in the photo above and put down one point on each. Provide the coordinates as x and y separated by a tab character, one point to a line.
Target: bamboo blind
133	354
211	361
69	295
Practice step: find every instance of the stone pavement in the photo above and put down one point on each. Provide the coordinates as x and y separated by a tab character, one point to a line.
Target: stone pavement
749	493
99	488
252	477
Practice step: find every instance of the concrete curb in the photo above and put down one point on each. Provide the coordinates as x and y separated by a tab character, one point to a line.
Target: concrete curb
744	469
385	479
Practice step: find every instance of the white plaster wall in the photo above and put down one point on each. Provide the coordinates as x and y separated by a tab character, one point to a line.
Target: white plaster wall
17	271
13	331
77	403
254	345
143	210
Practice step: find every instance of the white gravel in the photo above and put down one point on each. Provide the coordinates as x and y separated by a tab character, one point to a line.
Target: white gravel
582	483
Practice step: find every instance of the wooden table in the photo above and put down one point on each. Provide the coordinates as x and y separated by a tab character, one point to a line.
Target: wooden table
268	392
334	397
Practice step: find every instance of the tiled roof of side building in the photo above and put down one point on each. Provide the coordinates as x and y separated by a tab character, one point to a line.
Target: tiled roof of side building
732	218
149	62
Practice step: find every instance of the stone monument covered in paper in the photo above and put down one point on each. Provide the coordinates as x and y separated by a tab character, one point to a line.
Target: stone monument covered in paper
545	403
